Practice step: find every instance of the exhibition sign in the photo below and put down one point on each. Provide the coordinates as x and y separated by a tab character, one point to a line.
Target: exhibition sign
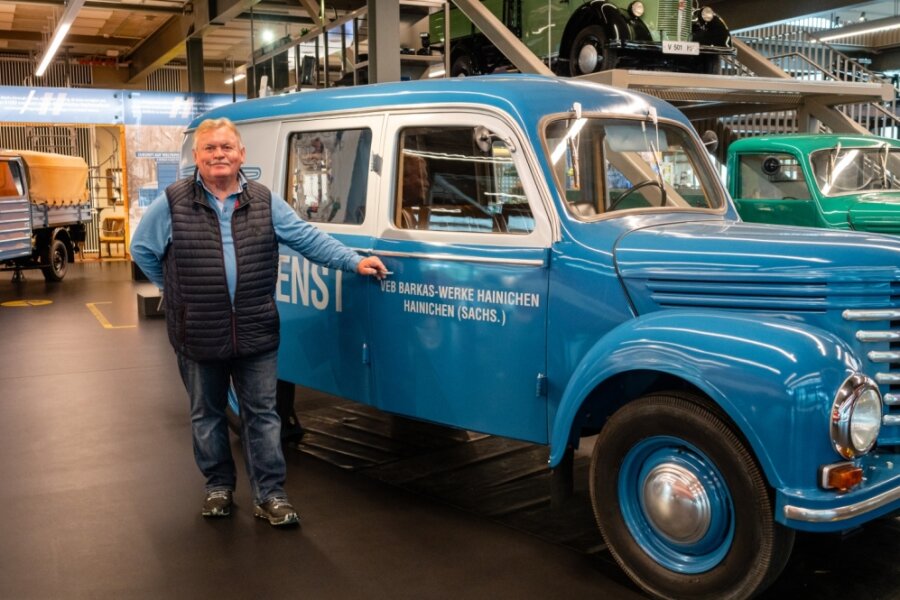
103	107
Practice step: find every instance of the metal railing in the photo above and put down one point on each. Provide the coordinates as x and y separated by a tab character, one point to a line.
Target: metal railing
796	51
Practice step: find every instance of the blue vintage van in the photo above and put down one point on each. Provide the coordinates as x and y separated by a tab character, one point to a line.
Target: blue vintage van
567	263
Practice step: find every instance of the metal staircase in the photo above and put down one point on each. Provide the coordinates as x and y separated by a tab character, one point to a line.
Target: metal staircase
793	51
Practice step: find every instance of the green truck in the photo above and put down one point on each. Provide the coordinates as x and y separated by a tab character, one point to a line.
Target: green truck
577	37
834	181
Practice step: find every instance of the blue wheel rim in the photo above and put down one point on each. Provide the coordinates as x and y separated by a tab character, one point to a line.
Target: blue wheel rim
696	556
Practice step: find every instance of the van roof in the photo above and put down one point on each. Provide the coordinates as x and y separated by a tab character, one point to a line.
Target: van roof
526	98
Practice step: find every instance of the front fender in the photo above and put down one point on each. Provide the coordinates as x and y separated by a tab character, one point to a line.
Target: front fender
598	12
767	374
714	33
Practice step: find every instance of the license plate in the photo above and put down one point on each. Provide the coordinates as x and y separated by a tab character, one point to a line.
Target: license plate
673	47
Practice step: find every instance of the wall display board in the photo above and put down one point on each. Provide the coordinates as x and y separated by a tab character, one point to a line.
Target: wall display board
151	124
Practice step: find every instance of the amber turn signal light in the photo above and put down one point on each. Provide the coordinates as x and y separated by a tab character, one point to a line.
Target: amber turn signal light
841	477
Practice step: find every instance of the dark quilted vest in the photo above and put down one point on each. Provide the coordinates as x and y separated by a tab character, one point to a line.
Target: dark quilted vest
199	315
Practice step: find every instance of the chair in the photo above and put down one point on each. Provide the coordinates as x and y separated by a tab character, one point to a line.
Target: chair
112	230
414	187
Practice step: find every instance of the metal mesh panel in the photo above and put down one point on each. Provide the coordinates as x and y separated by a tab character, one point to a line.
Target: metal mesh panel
19	70
167	79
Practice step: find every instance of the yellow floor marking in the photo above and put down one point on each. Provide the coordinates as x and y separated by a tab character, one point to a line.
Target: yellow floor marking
92	306
25	303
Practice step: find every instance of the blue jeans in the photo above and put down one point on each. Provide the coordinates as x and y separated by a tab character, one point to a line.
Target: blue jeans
254	379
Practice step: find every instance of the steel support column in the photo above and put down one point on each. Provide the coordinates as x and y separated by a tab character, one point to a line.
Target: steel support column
196	82
384	51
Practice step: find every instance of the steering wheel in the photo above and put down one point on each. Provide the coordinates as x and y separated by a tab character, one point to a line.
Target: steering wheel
635	188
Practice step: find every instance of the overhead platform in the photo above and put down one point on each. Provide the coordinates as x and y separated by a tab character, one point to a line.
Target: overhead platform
763	88
709	96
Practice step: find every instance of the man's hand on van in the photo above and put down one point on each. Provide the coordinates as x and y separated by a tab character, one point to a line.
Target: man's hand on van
372	265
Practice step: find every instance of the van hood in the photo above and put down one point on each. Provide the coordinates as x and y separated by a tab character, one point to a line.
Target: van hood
876	212
736	265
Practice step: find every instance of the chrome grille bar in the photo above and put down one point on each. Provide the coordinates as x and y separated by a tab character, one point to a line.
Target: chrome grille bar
885	314
886	358
878	336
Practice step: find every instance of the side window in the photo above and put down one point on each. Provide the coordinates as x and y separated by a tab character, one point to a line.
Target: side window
328	173
773	177
10	180
459	179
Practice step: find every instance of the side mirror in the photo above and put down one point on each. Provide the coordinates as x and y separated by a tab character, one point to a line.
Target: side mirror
710	140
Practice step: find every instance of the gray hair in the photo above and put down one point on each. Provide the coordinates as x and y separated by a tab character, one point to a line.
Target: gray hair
212	125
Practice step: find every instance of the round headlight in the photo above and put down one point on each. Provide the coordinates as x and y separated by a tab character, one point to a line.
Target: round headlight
865	422
636	9
707	14
856	416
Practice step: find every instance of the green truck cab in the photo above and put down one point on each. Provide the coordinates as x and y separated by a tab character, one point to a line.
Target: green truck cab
834	181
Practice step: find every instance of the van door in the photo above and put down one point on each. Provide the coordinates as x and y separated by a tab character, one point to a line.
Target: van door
772	188
458	332
326	177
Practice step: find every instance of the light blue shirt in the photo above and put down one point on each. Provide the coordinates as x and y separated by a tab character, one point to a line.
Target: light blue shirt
154	234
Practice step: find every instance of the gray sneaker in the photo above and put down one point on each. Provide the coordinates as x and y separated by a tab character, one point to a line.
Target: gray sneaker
277	511
217	504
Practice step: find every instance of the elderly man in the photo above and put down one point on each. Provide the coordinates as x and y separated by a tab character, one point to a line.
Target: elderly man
211	243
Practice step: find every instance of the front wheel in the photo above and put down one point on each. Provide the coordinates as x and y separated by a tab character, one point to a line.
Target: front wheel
711	64
463	66
590	52
681	503
56	259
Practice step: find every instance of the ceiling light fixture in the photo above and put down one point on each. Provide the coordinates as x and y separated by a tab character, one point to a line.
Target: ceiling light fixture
236	78
62	28
876	26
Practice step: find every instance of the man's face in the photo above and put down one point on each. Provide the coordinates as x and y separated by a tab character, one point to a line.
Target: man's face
218	155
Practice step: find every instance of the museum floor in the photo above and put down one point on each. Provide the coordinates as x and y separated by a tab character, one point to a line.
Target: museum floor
100	497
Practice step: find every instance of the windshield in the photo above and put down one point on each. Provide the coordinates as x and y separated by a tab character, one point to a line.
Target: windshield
606	165
841	171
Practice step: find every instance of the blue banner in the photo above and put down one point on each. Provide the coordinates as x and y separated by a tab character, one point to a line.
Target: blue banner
103	107
166	108
60	105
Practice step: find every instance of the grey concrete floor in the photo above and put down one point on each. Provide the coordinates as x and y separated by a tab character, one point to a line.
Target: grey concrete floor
99	495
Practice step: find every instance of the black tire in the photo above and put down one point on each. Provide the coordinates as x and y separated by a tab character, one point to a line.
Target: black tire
463	66
654	447
56	257
712	64
590	53
291	430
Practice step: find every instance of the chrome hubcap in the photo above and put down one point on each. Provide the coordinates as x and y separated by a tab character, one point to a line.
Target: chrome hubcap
588	58
676	504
